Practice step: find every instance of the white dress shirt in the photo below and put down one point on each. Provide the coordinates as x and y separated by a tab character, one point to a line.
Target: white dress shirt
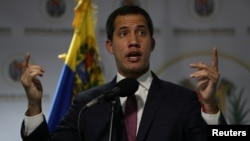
141	94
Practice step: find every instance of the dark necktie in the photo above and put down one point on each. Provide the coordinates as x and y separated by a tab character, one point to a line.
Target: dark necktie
131	117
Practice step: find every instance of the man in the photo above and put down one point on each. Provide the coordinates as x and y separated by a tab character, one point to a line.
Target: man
166	111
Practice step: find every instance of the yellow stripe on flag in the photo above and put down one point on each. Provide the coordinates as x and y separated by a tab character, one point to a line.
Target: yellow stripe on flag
82	69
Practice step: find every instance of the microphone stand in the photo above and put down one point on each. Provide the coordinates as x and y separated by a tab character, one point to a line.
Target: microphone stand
113	103
78	121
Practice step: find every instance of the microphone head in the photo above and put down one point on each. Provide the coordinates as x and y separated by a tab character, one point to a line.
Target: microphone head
128	86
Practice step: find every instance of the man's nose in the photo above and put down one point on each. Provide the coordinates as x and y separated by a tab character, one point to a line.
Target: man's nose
133	40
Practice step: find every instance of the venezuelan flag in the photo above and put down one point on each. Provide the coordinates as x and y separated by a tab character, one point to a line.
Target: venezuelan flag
82	69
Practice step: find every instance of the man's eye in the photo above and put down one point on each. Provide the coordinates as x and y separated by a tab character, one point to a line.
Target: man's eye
122	34
141	33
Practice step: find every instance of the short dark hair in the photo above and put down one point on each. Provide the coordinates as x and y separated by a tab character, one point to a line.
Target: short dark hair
126	10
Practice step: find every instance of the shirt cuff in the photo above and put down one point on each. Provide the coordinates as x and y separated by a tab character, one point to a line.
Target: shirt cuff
31	123
211	119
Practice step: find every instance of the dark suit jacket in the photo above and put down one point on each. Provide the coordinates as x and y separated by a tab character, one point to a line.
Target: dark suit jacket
171	113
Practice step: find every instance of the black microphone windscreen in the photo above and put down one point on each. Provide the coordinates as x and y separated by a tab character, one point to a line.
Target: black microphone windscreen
128	86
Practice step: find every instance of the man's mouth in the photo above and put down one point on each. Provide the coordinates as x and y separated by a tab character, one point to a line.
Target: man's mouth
134	56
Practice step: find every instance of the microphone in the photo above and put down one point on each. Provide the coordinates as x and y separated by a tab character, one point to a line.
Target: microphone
123	88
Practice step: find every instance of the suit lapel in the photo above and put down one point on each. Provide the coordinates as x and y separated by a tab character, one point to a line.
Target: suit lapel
154	99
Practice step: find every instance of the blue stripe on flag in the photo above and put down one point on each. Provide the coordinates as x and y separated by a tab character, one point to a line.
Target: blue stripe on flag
62	97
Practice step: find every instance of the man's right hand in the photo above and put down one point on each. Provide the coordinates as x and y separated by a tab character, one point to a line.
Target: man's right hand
32	86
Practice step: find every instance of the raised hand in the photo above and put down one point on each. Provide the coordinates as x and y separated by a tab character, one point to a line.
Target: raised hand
32	85
207	78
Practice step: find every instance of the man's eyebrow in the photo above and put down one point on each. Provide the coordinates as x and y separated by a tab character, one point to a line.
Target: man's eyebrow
126	27
142	26
122	27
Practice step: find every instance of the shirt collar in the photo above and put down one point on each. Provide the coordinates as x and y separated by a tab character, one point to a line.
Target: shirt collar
145	80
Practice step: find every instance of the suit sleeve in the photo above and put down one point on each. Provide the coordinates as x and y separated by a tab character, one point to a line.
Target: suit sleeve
41	133
222	120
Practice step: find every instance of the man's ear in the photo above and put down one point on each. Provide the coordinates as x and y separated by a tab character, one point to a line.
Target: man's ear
109	46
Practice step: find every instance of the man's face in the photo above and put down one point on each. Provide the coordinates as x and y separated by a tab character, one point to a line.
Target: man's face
132	45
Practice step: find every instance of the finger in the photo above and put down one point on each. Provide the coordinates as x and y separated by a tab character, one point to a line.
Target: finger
36	71
215	59
38	84
199	66
206	75
200	75
25	62
202	84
